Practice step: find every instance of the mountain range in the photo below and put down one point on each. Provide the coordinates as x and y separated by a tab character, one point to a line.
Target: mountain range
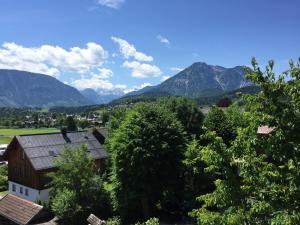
200	80
24	89
101	96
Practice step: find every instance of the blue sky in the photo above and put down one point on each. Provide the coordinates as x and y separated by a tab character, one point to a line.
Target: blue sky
127	44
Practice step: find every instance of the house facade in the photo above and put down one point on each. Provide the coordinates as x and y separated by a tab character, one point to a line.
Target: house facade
31	157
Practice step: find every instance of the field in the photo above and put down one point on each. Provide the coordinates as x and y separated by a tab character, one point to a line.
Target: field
7	134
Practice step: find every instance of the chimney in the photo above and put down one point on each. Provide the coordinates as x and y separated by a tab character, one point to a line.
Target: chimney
64	133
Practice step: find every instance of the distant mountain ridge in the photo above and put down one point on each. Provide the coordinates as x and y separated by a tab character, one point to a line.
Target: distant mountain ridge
25	89
198	81
101	96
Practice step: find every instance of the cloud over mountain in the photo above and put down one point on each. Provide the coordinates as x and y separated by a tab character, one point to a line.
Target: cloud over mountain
142	70
52	60
139	68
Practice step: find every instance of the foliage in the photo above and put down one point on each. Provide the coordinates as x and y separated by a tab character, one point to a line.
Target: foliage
71	124
151	221
105	116
224	102
196	181
113	221
64	204
234	96
147	151
257	178
186	111
116	117
3	178
216	120
76	189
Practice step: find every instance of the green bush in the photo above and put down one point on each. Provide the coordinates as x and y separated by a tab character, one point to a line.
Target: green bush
3	178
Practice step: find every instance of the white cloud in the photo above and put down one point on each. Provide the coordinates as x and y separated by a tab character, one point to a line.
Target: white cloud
163	39
101	86
165	78
94	83
142	70
121	86
104	73
115	4
137	87
176	69
128	50
52	60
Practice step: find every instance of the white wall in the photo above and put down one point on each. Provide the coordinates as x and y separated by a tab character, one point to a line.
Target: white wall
33	194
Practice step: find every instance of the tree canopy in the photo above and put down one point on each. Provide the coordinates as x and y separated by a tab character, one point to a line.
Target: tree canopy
147	152
70	124
76	188
257	178
186	111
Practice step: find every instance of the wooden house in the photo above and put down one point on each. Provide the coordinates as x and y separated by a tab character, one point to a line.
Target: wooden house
31	157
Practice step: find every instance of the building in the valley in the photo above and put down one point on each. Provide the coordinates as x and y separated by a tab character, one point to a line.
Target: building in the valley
31	157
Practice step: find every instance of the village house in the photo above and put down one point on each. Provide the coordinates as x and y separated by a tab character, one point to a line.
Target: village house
31	157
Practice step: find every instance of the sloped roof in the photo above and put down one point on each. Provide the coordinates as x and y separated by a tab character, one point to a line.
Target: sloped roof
265	130
41	149
103	131
94	220
18	210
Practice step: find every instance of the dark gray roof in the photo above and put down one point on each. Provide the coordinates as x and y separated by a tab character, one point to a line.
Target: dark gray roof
103	131
41	149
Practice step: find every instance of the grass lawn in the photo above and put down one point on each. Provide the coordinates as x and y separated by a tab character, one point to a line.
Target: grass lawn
4	140
7	134
3	193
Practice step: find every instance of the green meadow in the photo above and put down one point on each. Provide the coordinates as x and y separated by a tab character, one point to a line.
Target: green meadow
7	134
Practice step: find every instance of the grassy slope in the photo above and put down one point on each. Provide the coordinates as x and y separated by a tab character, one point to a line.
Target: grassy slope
7	134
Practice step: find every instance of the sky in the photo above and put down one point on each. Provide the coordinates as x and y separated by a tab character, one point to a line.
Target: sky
125	45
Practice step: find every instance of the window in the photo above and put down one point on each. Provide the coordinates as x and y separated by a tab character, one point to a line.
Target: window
21	190
14	188
26	191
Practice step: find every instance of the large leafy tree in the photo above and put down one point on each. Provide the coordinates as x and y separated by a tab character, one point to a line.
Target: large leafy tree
70	124
196	180
257	179
147	151
186	111
76	187
216	120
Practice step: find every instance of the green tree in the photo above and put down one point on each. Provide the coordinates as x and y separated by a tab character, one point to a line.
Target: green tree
76	188
105	116
197	182
3	178
147	151
257	179
83	124
186	111
71	124
216	120
224	102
